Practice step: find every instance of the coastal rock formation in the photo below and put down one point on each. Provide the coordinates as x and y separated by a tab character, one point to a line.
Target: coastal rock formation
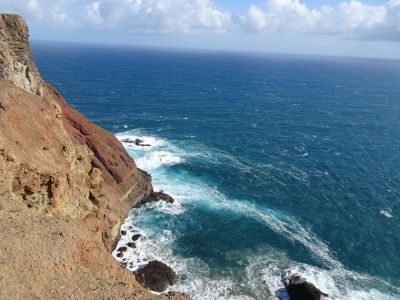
137	142
157	196
298	288
62	163
66	185
16	56
116	183
156	276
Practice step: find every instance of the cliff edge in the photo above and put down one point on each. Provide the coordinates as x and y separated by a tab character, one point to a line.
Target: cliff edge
66	185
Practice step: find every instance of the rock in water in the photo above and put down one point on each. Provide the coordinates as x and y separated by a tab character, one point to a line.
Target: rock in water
136	237
131	245
300	289
122	249
158	196
156	276
137	142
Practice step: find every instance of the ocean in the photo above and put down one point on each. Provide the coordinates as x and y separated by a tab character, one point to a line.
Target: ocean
275	162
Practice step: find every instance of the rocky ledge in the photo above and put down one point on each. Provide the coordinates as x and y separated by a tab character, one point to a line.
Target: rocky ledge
66	185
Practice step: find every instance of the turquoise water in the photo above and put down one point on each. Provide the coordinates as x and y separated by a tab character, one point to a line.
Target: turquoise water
275	162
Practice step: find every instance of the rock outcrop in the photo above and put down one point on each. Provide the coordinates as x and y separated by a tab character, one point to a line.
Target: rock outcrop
16	56
298	288
66	185
156	197
156	276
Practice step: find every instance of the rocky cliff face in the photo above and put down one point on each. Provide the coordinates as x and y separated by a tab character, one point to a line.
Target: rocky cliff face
16	56
114	183
62	164
66	186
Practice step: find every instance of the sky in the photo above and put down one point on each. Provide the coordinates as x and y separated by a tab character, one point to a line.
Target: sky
361	28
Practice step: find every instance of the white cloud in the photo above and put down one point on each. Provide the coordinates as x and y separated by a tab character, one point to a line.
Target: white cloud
33	5
348	19
92	13
168	16
291	15
257	18
356	14
47	12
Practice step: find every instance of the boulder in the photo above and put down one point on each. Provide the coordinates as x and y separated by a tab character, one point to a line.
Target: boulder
131	245
137	142
136	237
157	196
299	288
156	276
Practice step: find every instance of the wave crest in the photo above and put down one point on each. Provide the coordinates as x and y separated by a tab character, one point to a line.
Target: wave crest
154	160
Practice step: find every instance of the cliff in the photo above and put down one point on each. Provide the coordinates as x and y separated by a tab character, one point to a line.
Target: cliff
15	55
66	186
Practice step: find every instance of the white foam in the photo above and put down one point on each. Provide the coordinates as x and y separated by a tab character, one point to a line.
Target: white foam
153	153
152	141
386	213
289	228
340	284
134	258
367	295
156	159
175	208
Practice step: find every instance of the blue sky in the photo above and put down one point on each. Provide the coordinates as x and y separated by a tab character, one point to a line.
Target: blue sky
365	28
238	7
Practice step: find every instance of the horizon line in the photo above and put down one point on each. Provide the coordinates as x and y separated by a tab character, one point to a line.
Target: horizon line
210	50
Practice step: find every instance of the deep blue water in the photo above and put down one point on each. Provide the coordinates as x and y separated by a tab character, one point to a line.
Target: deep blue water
275	162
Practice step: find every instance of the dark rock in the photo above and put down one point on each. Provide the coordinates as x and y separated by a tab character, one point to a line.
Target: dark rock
120	254
137	142
131	245
122	249
123	232
156	276
300	289
157	196
128	141
136	237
